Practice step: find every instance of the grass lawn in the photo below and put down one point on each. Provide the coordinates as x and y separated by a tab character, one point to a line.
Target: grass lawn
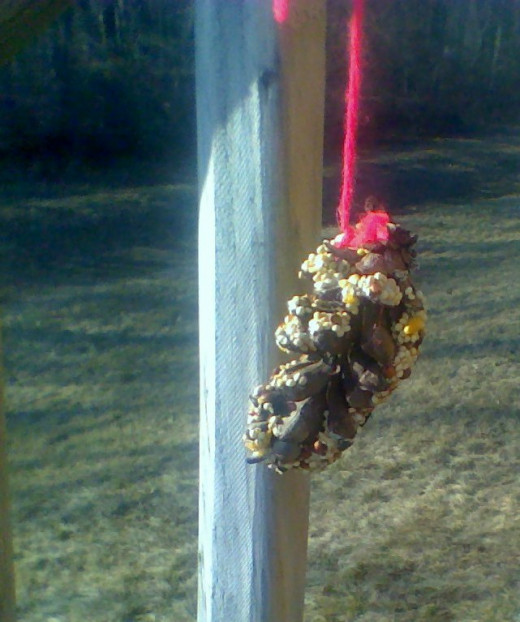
419	521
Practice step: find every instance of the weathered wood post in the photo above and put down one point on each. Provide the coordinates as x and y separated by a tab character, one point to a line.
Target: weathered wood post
260	87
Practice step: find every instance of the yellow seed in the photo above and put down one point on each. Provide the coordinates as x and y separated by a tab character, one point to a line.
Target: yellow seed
415	325
350	299
250	445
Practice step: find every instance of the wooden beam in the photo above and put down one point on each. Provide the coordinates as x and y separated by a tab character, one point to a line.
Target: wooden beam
7	592
260	88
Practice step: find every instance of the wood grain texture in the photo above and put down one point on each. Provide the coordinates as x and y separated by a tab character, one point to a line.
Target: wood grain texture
7	592
260	121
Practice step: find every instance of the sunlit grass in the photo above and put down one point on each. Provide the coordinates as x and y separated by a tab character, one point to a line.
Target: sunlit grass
418	521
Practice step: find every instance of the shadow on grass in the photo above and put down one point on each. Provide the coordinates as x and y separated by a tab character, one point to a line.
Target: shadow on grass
440	171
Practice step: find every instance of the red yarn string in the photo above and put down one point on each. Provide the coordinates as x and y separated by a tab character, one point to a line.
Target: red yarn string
280	10
372	227
352	95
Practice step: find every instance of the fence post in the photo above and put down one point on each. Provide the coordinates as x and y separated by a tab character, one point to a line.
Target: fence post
260	87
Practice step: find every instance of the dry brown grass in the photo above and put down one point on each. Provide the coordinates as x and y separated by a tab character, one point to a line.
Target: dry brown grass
101	365
418	521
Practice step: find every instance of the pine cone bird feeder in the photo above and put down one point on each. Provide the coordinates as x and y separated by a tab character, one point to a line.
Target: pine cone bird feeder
356	336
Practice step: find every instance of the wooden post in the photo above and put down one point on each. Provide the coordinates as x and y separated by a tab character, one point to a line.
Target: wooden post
260	88
7	594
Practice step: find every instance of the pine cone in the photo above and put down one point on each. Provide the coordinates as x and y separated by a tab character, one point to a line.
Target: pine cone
358	335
